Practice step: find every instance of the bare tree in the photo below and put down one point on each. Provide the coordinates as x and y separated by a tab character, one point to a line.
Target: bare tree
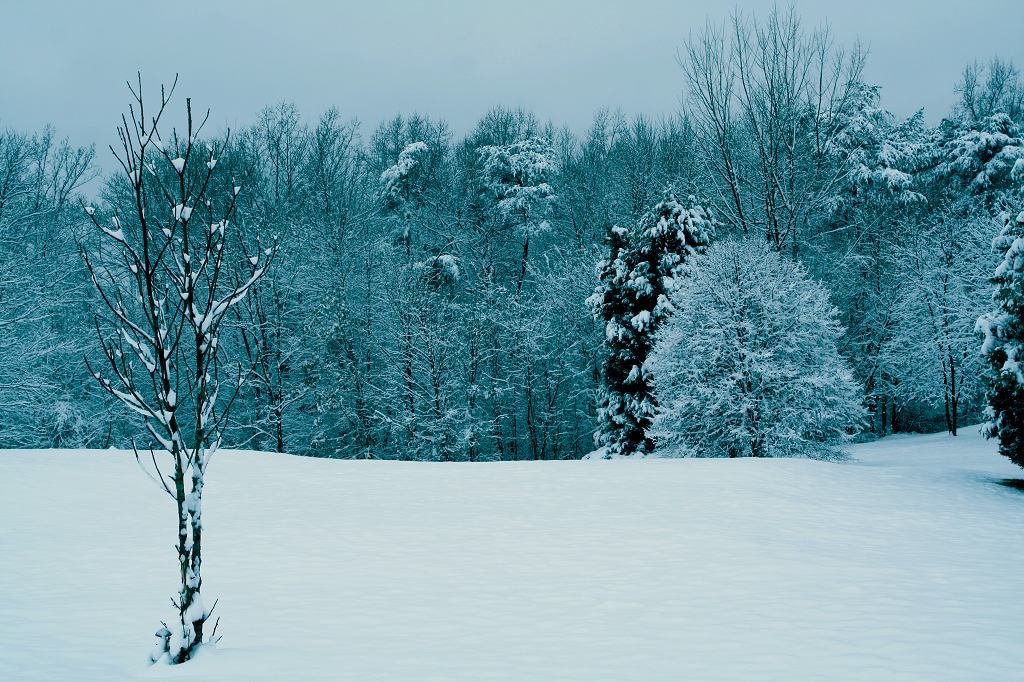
43	401
768	99
272	156
986	90
162	277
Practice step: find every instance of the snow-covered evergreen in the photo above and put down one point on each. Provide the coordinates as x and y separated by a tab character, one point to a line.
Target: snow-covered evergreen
646	263
519	177
399	186
748	365
1003	345
985	155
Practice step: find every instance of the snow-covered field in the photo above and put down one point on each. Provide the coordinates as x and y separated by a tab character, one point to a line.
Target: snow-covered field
904	563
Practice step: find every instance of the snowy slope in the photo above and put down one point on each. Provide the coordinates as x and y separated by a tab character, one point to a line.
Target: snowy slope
905	563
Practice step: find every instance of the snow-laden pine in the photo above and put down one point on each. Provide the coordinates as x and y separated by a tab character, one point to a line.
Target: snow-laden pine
647	262
1003	345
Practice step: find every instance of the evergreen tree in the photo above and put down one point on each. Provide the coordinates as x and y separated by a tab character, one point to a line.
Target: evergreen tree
1004	343
644	267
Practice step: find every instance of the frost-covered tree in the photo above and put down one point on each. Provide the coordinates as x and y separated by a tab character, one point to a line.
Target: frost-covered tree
933	347
877	200
980	156
401	184
646	263
419	306
510	169
337	278
518	176
46	399
994	88
161	273
428	417
748	366
269	159
1003	346
943	261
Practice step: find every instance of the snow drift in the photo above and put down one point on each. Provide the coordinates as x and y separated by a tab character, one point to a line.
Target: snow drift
903	563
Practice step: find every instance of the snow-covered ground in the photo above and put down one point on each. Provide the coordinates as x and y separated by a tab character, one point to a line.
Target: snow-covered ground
905	563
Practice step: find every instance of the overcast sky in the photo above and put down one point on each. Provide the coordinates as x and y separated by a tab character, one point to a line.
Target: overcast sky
65	62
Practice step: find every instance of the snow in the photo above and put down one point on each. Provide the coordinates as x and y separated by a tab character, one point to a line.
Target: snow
406	162
182	212
901	564
450	263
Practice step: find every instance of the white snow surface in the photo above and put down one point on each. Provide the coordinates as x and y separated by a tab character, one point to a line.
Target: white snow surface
904	563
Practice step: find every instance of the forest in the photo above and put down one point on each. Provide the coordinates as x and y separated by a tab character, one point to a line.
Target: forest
402	292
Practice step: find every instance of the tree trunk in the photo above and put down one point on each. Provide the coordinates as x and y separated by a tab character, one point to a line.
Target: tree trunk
953	400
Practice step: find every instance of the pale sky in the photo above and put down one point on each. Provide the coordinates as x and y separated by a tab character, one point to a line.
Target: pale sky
65	62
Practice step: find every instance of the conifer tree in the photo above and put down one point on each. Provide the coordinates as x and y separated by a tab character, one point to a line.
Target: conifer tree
644	267
1003	347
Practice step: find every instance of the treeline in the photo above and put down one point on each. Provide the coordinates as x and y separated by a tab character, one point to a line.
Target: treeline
428	300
